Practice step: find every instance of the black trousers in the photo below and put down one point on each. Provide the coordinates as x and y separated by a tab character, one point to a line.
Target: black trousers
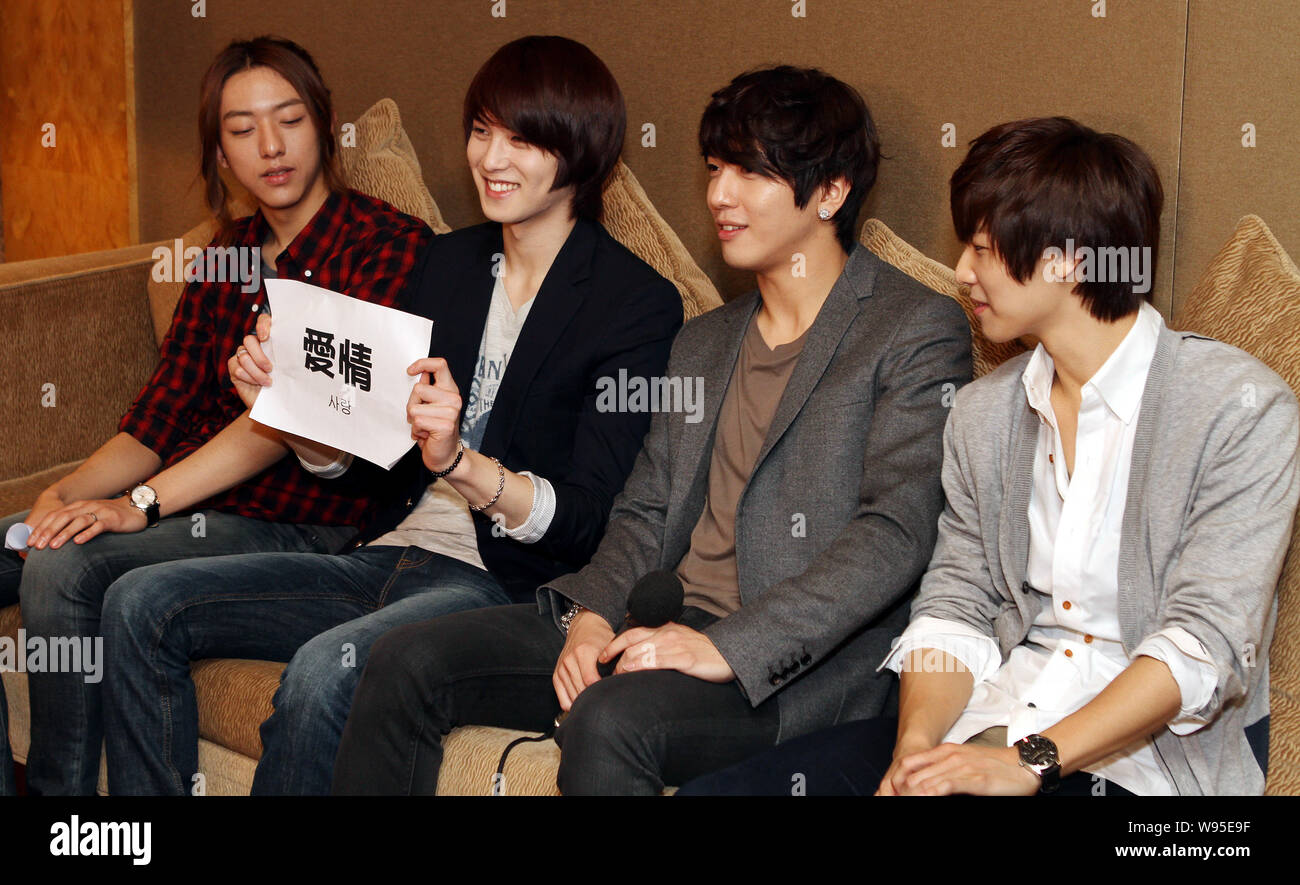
849	759
628	734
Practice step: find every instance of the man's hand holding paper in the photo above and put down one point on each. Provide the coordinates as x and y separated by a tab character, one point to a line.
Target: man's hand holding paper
340	370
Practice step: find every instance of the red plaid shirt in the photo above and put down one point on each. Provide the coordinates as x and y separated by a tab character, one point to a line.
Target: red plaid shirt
353	244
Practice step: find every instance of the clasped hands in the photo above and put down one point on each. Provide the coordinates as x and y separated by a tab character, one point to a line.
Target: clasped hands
670	647
957	768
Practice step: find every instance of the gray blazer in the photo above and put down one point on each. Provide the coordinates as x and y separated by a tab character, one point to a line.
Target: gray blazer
1211	496
838	519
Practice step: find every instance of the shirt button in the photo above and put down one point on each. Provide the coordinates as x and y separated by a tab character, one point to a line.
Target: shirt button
1051	459
1087	637
306	273
1068	653
1066	605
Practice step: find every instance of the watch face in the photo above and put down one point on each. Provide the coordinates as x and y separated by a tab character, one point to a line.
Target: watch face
143	496
1037	750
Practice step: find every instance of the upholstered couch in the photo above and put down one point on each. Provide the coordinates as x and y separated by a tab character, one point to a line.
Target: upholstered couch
91	324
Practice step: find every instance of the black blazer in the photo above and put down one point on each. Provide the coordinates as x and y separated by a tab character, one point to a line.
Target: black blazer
599	310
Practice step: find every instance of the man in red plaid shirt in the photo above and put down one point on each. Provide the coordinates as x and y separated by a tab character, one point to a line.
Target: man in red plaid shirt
205	479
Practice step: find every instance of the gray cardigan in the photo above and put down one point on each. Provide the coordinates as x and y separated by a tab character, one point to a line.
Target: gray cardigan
1211	497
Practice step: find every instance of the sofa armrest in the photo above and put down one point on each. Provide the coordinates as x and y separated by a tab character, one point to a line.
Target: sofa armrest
78	343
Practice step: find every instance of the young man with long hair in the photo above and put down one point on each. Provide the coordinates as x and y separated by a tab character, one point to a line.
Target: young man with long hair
186	445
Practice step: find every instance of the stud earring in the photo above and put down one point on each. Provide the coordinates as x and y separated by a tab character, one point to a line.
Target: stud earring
824	214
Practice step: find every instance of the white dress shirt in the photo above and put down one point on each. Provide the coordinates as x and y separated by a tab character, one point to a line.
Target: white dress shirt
1073	648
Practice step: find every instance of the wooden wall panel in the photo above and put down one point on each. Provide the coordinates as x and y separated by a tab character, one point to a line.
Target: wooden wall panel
63	63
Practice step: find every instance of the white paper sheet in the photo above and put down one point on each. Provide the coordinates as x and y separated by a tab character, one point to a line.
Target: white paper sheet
16	537
328	349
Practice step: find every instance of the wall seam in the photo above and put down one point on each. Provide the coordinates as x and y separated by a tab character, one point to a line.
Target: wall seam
1175	303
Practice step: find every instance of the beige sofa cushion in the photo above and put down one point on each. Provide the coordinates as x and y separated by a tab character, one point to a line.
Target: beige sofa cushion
383	165
1249	297
632	219
890	247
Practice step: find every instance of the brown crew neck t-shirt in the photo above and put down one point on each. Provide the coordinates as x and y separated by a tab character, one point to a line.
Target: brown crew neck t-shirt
708	570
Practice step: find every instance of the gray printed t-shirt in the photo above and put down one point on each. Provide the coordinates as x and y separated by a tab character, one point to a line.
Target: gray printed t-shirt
441	521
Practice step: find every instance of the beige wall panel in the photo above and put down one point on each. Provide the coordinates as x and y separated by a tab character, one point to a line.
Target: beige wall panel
920	64
1243	66
63	62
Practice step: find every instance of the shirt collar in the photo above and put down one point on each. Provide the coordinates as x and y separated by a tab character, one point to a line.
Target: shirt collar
317	236
1122	378
1119	382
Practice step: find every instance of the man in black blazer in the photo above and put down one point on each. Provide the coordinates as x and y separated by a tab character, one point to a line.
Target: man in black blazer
516	468
799	514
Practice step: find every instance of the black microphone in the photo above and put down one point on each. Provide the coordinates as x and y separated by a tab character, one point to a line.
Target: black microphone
655	600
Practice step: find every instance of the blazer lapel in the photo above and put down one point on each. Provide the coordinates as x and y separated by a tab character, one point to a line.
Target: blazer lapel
834	319
461	313
558	299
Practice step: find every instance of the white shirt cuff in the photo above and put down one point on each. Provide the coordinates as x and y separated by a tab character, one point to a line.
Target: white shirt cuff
332	470
977	652
539	518
1192	669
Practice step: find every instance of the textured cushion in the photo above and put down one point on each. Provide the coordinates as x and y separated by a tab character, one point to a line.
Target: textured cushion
1249	297
888	246
471	755
383	165
632	219
234	698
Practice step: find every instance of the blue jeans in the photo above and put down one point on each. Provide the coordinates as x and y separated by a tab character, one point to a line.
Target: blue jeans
62	595
320	613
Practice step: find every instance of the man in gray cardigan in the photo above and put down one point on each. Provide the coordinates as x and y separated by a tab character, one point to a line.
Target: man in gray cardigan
798	511
1097	615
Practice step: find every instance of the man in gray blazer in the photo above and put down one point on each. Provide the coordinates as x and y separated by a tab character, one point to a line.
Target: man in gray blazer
798	510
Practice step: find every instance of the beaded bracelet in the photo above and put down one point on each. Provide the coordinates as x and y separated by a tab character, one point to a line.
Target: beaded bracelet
460	453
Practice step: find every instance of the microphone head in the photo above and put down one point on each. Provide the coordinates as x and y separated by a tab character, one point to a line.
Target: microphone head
655	600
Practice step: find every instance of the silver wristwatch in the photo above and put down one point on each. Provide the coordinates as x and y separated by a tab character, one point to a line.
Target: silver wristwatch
145	499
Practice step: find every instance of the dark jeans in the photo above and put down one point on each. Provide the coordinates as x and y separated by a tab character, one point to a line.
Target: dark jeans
626	734
62	595
849	759
320	613
6	758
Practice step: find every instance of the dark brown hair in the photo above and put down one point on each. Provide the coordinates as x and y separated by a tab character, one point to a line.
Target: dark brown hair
290	61
557	95
1032	184
800	125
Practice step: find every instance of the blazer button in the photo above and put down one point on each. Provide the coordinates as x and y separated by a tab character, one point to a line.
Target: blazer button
806	660
775	679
